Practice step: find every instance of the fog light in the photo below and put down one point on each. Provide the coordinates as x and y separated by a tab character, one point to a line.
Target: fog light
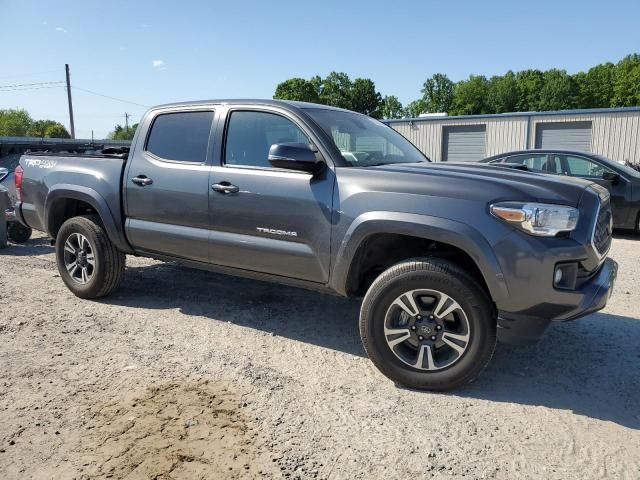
565	275
557	277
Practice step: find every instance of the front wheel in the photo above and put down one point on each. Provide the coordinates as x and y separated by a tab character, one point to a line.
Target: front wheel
426	324
89	264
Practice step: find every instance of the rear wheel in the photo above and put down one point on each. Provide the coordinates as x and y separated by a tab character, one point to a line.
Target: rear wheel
18	233
426	324
89	264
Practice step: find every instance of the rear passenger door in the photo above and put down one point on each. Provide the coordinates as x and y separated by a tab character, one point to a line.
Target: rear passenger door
269	219
167	185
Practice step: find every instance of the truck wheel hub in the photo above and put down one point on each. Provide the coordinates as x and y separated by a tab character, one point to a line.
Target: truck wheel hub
427	329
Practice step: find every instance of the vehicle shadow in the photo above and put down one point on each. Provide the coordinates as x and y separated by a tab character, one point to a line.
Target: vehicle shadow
590	366
324	320
32	247
626	235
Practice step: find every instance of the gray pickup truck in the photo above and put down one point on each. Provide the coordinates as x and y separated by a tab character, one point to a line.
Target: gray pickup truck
448	257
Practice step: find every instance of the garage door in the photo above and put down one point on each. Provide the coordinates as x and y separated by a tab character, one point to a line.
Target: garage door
566	135
464	143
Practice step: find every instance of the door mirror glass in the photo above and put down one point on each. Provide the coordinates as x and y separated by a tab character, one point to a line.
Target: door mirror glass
296	156
610	176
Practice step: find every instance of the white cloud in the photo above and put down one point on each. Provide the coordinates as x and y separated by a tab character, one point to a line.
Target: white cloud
158	63
63	30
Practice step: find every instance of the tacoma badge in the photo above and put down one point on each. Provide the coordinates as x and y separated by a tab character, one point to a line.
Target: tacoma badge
273	231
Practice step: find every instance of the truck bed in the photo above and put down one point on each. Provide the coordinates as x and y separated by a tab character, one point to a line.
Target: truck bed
92	179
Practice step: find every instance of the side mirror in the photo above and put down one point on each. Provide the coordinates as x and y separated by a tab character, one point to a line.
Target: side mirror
296	156
610	177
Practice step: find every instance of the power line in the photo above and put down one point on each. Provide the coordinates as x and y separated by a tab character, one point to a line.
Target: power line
109	96
34	74
30	84
21	89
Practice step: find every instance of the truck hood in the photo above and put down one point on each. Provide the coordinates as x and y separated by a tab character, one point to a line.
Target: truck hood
494	182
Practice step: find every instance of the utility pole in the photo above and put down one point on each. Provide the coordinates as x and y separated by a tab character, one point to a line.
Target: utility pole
126	120
73	129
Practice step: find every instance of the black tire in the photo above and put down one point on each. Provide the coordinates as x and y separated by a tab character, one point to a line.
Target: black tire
18	233
438	275
109	261
3	233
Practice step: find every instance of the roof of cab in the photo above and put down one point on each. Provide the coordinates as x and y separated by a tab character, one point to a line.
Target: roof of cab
248	101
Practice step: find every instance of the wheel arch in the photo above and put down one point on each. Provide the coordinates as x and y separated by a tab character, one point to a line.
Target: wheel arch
420	230
66	201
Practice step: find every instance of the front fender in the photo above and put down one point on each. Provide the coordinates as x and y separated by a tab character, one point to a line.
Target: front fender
113	227
429	227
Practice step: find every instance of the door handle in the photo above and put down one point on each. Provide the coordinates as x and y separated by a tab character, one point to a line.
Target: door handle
142	180
225	187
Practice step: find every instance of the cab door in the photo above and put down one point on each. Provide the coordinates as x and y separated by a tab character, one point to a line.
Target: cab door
167	186
268	219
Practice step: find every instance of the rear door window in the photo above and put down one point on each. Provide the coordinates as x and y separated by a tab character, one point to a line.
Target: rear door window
181	136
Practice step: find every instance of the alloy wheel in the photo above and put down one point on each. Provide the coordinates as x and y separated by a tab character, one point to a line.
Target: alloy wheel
427	329
79	258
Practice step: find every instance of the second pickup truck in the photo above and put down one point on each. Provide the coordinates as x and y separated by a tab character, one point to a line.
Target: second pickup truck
448	257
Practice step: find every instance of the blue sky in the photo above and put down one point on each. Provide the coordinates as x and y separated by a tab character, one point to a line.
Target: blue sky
157	52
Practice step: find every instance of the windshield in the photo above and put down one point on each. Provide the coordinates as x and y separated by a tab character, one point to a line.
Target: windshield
363	141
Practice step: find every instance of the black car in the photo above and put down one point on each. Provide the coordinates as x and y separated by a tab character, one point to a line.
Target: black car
622	181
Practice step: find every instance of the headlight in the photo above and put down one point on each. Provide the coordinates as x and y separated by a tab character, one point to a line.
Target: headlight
541	219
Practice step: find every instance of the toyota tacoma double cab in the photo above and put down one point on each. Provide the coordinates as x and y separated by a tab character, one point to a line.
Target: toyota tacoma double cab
448	257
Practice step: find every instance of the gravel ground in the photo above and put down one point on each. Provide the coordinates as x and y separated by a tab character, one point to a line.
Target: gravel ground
188	374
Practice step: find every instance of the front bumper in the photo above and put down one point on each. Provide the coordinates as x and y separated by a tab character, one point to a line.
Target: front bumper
522	328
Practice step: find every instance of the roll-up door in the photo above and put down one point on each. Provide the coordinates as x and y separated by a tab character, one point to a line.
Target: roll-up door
464	143
564	135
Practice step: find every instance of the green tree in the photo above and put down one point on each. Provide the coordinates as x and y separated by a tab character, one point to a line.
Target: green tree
56	130
297	89
47	129
559	91
626	90
596	86
437	93
529	84
335	90
122	133
364	98
391	107
415	108
316	81
470	96
14	123
503	93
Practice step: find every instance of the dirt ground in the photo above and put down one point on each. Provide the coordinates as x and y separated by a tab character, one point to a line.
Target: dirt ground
188	374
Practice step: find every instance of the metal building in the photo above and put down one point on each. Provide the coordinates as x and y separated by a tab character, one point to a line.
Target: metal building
612	132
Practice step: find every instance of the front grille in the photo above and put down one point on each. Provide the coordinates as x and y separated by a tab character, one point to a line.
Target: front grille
602	230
